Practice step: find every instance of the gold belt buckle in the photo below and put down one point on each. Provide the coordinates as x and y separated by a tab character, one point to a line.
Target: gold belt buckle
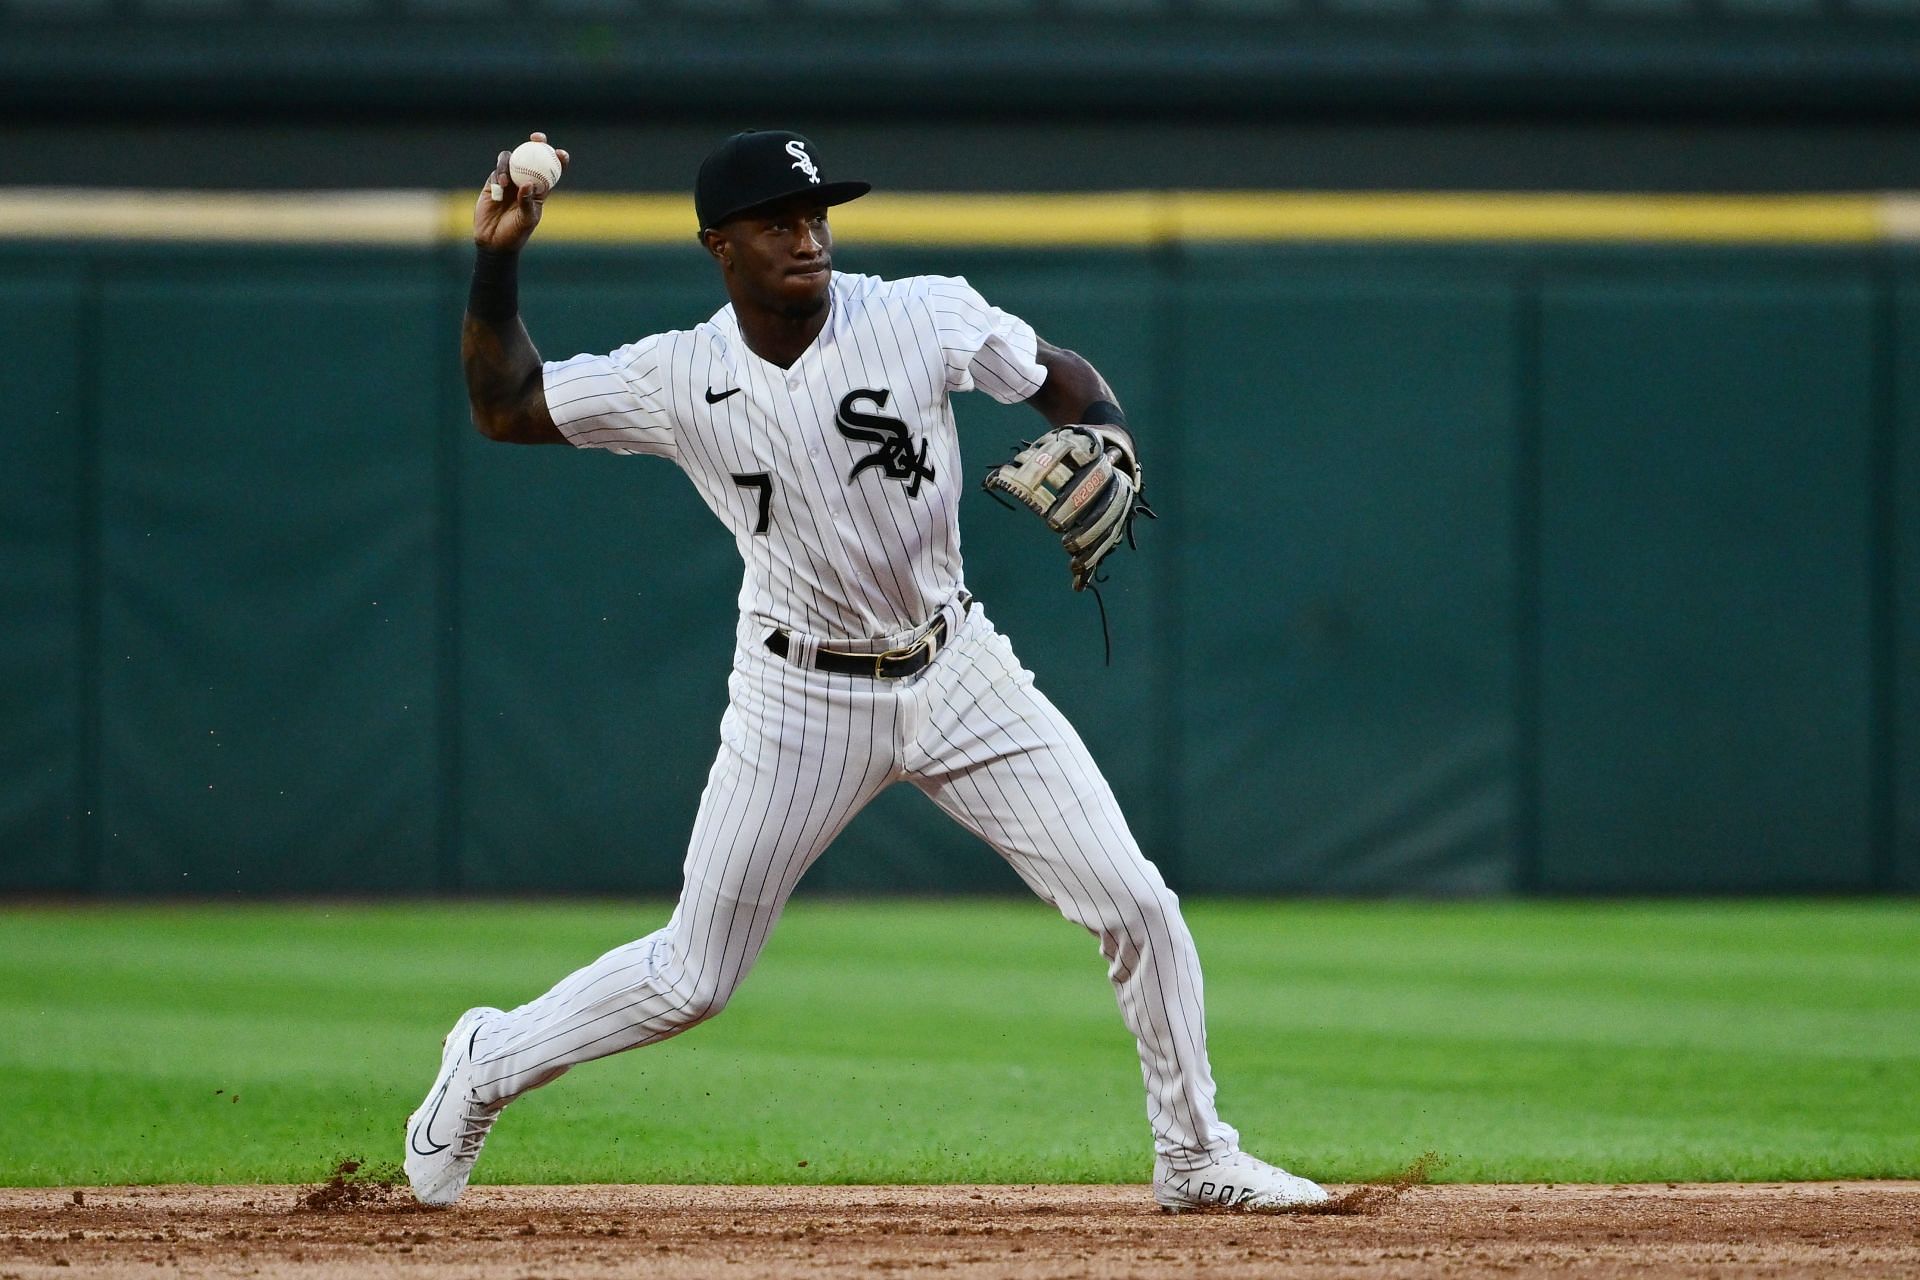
926	642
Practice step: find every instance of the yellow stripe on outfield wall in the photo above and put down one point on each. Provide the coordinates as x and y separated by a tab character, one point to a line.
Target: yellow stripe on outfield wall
1093	220
277	217
899	218
1010	221
1499	217
588	217
1135	219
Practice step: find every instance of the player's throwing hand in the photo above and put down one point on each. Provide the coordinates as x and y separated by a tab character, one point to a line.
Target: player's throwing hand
503	222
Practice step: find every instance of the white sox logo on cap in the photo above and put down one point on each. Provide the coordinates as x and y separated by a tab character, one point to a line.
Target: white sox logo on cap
760	167
802	161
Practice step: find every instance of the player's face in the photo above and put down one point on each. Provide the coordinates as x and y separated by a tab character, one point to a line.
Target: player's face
782	258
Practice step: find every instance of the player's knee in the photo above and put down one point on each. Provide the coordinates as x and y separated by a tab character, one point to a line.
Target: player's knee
1137	922
704	998
1142	917
705	1005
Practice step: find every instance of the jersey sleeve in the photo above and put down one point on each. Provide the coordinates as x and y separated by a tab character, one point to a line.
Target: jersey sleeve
983	346
616	402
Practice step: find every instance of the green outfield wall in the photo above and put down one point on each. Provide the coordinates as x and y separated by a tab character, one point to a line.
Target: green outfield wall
1536	568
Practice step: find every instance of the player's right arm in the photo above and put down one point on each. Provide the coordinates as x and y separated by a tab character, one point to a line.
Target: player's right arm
503	369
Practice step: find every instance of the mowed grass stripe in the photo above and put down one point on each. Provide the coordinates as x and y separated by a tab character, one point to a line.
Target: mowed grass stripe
978	1041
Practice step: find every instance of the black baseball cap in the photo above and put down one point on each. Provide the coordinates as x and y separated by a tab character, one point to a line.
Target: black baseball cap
759	167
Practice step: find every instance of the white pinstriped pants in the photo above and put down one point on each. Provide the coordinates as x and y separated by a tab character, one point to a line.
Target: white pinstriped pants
801	752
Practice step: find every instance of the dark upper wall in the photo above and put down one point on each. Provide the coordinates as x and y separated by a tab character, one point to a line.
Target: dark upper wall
971	94
1096	58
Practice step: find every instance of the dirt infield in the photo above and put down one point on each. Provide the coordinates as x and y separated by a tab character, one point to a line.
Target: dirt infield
367	1229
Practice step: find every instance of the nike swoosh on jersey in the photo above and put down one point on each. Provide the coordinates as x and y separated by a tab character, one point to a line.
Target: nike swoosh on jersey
714	397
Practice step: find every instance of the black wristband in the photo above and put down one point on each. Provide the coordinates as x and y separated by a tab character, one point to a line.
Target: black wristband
1104	413
494	295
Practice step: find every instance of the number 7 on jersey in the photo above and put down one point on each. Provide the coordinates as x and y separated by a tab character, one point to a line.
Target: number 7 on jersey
764	483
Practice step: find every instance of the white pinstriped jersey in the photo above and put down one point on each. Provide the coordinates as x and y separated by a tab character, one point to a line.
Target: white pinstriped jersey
839	477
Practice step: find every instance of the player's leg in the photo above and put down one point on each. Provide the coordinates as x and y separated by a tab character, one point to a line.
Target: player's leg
800	754
1000	758
797	760
997	755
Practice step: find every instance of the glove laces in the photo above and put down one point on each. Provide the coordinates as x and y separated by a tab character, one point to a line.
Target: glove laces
1140	508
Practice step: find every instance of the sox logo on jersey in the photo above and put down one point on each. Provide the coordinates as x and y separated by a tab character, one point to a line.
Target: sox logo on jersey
839	477
895	456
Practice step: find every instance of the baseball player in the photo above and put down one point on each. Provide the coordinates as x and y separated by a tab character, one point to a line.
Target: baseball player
813	413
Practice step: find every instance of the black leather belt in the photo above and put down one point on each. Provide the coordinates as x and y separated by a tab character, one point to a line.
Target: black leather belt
894	664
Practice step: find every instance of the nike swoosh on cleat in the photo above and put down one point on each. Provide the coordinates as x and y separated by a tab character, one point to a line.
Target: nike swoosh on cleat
439	1099
714	397
426	1126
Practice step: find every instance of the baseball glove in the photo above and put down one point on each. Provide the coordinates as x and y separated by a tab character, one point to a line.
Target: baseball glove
1085	485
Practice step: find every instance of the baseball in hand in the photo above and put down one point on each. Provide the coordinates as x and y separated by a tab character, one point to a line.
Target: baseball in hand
534	162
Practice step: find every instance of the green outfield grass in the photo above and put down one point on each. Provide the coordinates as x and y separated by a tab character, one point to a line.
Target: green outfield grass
978	1041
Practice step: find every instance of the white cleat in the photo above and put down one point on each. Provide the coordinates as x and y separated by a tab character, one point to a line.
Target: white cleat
445	1132
1237	1182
